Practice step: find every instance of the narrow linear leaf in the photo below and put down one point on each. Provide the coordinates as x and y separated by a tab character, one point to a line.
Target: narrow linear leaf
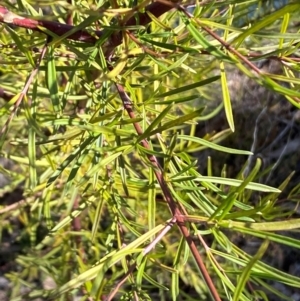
173	123
155	283
229	201
189	87
226	97
235	182
52	80
203	41
178	121
213	145
169	46
107	261
244	277
97	217
69	159
141	271
284	225
278	88
154	123
174	100
151	200
32	158
289	8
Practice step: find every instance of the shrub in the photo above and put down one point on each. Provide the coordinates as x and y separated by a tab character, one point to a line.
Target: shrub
100	103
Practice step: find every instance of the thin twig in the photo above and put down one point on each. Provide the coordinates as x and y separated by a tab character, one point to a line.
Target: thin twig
280	157
254	143
121	282
14	206
221	41
158	238
24	91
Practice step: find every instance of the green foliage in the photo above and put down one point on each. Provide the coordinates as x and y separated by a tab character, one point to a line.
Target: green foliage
103	143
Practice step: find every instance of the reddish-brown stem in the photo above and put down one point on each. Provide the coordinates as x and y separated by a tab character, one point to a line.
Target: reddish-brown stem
8	17
59	29
174	208
156	8
69	19
120	283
